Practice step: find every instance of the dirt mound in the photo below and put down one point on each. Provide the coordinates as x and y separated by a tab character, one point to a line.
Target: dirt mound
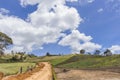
86	75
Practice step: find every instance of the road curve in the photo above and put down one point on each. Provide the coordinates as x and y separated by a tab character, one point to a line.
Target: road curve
44	74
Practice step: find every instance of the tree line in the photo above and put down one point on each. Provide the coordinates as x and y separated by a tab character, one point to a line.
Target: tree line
107	52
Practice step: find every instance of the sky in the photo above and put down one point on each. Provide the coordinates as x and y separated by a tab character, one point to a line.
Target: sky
61	26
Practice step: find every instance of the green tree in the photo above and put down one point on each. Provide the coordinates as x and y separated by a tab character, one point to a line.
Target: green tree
108	53
4	42
97	52
82	51
89	53
48	54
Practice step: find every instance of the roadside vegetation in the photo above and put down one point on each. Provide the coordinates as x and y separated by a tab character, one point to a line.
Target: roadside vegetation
14	68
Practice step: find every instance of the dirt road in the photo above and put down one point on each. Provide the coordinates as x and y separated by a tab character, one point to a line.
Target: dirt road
43	74
39	73
86	75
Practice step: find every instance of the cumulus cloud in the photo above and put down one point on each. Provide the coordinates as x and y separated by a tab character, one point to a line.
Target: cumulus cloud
4	11
78	41
45	25
115	49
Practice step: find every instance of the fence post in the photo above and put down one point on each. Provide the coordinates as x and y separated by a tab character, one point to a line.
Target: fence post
21	69
28	68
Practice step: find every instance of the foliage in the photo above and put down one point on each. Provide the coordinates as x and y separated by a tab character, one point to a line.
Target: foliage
4	42
47	54
97	52
7	39
108	53
54	74
82	51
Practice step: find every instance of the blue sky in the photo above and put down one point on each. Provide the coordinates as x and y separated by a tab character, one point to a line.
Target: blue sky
100	19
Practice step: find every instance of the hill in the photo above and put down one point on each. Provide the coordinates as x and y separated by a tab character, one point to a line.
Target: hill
54	60
91	62
78	61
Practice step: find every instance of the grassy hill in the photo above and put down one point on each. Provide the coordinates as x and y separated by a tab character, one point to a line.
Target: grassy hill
78	61
54	60
92	62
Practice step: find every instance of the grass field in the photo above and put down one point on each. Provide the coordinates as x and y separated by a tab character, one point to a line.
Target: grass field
87	61
13	68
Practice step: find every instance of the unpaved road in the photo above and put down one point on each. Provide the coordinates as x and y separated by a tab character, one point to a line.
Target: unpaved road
41	73
86	75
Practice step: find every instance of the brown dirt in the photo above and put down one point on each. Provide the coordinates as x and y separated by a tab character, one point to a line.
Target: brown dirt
43	74
42	71
86	75
1	75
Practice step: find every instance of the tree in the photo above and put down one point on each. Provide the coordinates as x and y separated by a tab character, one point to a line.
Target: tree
89	53
47	54
97	52
4	42
82	51
32	55
108	53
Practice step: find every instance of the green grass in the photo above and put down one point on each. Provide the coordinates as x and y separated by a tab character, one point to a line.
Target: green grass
59	59
54	74
80	61
54	60
13	68
86	61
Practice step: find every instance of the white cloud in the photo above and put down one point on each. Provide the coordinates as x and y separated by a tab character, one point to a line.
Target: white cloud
115	49
72	0
90	1
4	11
46	25
78	41
100	10
113	6
42	2
84	2
80	2
87	1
